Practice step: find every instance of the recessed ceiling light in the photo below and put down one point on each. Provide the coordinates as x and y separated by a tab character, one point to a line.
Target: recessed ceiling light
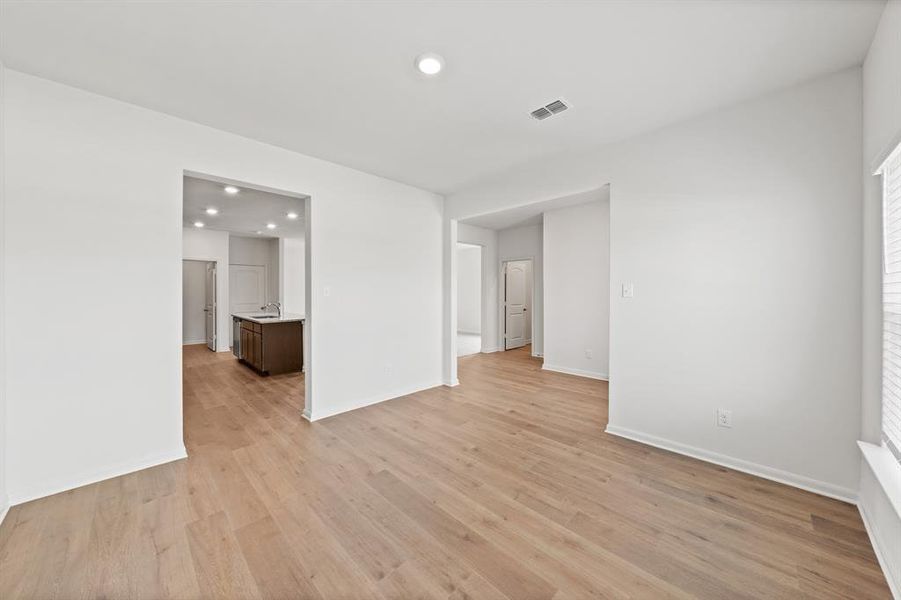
270	225
429	64
292	215
212	211
259	233
230	189
198	223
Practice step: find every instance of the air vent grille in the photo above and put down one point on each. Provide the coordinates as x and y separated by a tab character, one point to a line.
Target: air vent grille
549	110
557	106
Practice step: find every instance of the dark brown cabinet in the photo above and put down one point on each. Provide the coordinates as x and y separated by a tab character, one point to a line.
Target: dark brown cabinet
272	348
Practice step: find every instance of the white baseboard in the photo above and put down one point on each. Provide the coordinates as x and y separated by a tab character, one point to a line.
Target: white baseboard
464	332
193	342
397	393
490	350
453	383
115	470
4	508
875	541
793	479
578	372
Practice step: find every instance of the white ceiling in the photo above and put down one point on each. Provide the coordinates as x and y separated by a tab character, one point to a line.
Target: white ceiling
533	214
245	213
336	80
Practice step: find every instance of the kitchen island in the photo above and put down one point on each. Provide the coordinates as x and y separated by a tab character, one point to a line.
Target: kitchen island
270	344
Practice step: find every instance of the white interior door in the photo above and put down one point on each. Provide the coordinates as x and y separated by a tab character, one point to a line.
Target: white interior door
515	312
209	305
246	288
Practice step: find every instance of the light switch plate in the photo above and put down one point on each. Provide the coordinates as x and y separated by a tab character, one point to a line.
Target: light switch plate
628	290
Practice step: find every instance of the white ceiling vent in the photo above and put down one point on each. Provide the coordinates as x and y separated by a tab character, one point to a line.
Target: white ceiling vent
549	110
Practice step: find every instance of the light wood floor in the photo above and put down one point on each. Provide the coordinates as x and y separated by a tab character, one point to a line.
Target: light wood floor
505	487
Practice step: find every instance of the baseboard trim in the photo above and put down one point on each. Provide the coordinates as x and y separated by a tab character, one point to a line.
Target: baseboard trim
875	541
464	332
577	372
102	474
405	391
793	479
453	383
194	343
4	508
490	350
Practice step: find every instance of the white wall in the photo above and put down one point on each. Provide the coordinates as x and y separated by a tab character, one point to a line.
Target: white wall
291	274
4	456
487	239
91	168
577	289
193	285
881	132
274	275
525	242
469	289
741	231
209	245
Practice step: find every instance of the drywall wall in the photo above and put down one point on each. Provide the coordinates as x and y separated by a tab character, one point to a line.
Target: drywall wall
881	133
291	274
193	285
469	289
577	289
4	497
209	245
105	180
275	272
741	231
261	252
525	242
487	239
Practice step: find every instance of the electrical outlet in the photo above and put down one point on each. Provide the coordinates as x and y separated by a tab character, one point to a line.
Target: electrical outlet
723	417
326	291
628	290
587	352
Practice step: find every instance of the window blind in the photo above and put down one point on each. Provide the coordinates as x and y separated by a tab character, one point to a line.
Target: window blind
891	302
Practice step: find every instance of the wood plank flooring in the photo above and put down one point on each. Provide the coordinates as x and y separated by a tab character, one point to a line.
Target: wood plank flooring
503	488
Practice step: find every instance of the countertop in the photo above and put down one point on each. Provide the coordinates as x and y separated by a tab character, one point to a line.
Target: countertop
255	317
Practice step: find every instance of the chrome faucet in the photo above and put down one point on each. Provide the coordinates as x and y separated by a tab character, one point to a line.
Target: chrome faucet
277	305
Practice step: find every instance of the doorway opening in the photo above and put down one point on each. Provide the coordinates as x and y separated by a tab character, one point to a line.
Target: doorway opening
545	285
245	257
469	299
199	308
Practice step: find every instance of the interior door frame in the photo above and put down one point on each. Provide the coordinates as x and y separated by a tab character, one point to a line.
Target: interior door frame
215	305
502	300
218	265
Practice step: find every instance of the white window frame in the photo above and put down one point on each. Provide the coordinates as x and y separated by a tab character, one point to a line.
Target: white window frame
890	427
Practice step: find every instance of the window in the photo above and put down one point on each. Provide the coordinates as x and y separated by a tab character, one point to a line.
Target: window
891	302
